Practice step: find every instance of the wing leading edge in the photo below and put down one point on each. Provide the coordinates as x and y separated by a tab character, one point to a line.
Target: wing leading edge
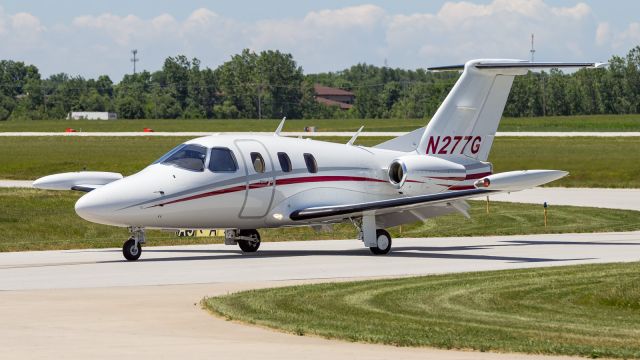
397	204
496	183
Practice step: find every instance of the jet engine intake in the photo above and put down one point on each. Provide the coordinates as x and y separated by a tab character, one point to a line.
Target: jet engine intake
421	169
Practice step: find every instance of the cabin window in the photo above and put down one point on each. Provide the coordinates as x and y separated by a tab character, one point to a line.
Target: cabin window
312	166
222	160
285	162
258	162
189	157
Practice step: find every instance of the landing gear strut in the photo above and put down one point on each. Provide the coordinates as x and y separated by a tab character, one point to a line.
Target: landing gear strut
383	243
248	240
377	240
132	248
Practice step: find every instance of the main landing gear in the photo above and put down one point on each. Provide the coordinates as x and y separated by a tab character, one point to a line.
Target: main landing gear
132	248
383	243
248	240
377	240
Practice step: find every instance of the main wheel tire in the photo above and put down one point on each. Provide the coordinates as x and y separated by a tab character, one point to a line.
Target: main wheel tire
383	240
249	246
130	251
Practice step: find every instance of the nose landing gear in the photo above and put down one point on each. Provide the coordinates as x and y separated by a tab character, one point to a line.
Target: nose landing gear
248	240
132	248
251	242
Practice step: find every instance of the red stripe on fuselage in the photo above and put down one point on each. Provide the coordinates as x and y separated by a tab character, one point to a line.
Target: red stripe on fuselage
258	185
210	193
460	187
310	179
467	177
477	176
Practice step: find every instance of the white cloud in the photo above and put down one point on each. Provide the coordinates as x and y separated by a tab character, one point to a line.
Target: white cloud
340	19
502	28
327	38
320	40
200	19
2	21
628	37
120	28
603	33
20	32
26	22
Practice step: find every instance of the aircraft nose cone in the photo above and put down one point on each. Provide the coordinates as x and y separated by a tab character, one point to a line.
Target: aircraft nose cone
94	207
88	207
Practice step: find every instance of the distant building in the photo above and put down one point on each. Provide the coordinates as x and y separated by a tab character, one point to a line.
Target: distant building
92	115
334	96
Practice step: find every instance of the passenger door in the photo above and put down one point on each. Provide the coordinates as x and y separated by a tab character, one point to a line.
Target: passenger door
260	185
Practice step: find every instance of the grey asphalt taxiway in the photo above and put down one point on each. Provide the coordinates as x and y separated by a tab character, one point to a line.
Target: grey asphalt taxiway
93	304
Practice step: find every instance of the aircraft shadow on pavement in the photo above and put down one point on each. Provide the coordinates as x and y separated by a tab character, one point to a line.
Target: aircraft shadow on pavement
426	252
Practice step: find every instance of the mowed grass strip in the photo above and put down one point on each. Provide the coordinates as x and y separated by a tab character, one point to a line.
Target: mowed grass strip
548	123
592	162
45	220
587	310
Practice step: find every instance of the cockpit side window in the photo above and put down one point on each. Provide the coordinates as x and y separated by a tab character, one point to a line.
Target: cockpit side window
189	157
222	160
169	153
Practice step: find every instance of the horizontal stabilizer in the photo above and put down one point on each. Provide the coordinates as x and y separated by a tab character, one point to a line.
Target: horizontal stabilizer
519	180
515	64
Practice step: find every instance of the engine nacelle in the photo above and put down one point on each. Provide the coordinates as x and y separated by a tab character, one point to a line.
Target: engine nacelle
423	169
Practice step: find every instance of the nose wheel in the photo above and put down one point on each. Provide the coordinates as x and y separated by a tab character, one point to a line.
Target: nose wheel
132	248
248	240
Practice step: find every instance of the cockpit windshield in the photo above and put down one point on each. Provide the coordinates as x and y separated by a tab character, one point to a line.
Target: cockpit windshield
186	156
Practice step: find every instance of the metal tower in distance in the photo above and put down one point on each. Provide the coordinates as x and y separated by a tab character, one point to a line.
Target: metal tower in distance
134	59
533	50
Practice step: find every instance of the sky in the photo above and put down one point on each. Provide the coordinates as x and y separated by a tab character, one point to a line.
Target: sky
91	38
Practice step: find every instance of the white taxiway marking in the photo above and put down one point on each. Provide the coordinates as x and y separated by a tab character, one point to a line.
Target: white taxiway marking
16	183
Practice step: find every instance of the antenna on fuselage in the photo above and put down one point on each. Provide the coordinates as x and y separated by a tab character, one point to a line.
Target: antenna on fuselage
355	136
277	133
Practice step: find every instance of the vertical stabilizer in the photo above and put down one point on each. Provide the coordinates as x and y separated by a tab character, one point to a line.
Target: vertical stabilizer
466	122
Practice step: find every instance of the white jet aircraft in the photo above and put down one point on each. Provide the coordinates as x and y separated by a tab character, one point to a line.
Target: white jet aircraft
246	182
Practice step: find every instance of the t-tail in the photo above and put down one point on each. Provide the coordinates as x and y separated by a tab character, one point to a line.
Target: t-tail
466	122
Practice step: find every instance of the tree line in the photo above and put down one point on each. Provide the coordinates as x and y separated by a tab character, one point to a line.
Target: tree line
270	84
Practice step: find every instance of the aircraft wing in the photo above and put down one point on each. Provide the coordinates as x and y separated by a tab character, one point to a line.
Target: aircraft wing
496	183
84	181
384	206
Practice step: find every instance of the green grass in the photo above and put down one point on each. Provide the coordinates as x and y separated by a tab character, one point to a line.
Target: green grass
39	220
601	123
550	123
212	125
586	310
592	162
